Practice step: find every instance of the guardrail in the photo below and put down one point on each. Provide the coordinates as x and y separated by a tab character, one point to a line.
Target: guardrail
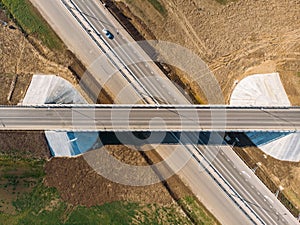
150	106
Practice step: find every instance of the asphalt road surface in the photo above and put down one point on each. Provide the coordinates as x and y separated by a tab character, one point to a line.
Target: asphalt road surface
209	187
130	56
155	118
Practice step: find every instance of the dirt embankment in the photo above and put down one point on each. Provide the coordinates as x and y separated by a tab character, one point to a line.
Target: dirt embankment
26	144
78	183
19	56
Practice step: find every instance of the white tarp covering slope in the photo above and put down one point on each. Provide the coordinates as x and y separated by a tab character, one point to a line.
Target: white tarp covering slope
51	89
285	148
69	143
59	143
260	90
267	90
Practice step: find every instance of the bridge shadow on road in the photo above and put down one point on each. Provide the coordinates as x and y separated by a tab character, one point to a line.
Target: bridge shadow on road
199	138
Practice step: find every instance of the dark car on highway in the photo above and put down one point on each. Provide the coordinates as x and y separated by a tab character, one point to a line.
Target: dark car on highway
108	34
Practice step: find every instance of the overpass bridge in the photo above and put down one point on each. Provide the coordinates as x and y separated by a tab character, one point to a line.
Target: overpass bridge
136	118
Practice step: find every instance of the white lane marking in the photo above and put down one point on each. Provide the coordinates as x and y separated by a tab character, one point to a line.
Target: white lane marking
269	199
249	196
140	57
246	174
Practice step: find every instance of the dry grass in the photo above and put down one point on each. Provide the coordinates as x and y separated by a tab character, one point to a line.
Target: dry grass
233	38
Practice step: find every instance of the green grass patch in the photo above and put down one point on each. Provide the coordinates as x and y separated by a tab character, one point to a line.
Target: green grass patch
38	204
32	23
110	213
29	167
158	6
43	205
154	215
197	212
224	2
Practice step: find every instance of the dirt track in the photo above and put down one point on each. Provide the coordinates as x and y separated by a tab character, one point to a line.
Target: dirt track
27	60
24	56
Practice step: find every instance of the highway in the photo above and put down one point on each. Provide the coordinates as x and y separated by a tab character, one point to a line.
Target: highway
134	60
149	118
209	183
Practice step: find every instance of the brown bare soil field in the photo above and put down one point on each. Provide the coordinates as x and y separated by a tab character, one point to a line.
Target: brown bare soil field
234	39
78	183
26	57
27	144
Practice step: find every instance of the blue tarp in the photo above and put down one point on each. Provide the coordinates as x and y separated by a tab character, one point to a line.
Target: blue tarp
262	138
